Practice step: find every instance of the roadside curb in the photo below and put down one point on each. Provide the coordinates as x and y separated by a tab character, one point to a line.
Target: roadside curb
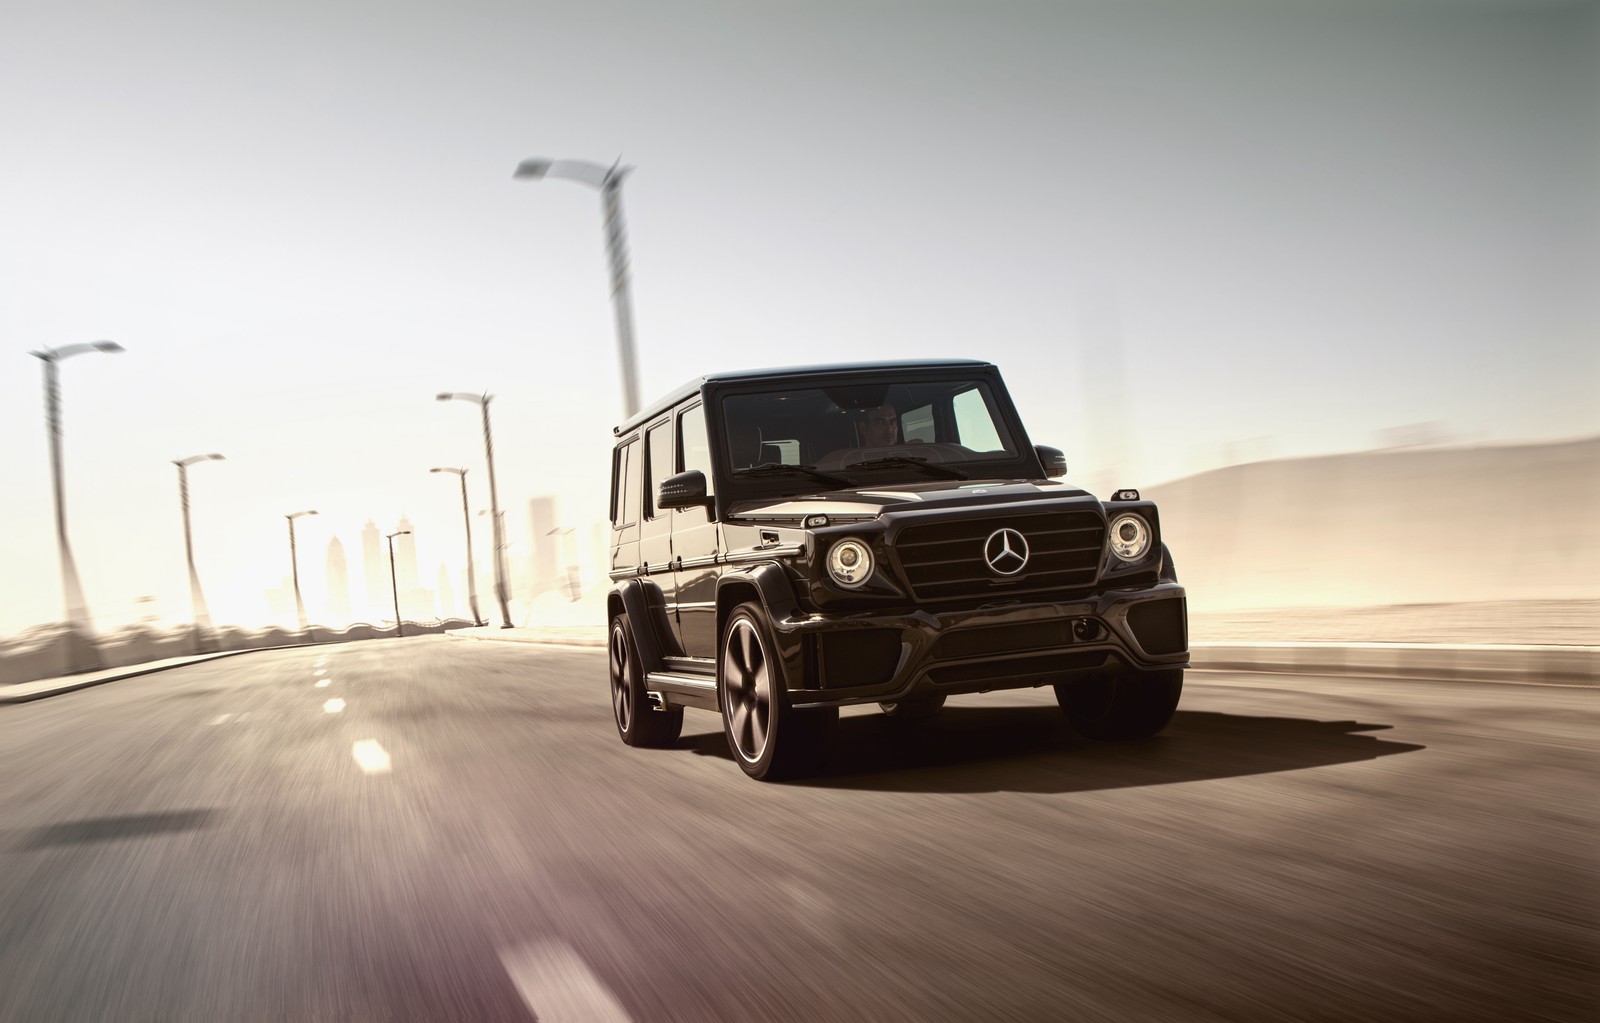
580	636
1564	665
44	688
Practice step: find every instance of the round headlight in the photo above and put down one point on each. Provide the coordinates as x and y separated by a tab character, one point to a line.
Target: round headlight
1130	536
850	563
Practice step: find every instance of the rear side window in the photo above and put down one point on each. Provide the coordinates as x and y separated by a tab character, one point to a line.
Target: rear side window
659	440
625	496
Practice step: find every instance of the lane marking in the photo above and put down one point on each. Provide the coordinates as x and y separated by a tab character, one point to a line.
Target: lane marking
333	706
558	986
320	671
322	683
373	758
221	719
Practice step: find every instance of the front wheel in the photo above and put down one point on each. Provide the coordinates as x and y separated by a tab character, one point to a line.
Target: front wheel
770	739
1121	704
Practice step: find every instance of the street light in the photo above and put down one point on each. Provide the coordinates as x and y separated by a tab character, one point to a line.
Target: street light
197	600
294	562
394	587
466	517
81	651
609	181
500	593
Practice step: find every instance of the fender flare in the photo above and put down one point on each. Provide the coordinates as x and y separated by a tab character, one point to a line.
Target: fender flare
771	585
776	596
642	618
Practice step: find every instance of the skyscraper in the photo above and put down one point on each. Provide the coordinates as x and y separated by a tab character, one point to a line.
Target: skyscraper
544	564
338	610
376	563
405	557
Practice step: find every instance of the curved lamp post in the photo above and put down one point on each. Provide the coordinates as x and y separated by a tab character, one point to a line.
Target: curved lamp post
294	563
394	587
197	600
81	651
500	592
609	182
466	517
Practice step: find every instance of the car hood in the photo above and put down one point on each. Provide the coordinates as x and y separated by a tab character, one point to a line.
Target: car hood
872	501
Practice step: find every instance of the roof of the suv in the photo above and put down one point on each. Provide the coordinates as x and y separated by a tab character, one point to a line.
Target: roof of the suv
694	386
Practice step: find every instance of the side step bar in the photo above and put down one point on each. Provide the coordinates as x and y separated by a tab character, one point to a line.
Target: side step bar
669	689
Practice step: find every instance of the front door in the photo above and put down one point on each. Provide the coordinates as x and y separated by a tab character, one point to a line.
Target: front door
694	540
655	538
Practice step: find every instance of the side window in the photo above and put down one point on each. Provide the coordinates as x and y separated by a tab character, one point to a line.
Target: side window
916	426
659	442
625	499
696	444
975	427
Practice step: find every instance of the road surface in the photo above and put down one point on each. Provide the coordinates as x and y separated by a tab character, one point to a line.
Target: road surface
442	829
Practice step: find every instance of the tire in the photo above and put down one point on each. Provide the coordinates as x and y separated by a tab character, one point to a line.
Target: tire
769	739
918	709
637	723
1122	703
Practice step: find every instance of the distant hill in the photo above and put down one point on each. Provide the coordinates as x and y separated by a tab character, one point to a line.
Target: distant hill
1390	527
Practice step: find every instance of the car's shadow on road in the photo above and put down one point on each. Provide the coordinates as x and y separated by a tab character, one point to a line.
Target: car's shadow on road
1032	749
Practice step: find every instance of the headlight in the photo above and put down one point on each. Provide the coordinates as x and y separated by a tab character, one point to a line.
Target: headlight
1130	536
850	563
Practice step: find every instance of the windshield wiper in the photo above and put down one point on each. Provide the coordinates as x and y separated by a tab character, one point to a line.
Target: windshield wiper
786	469
906	461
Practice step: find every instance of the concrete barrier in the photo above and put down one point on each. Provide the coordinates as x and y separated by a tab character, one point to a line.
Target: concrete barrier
1565	665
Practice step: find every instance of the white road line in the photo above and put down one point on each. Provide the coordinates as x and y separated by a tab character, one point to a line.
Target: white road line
558	986
373	758
320	671
322	683
221	719
333	706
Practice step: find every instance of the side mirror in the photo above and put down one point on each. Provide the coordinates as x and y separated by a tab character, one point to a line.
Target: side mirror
685	490
1054	459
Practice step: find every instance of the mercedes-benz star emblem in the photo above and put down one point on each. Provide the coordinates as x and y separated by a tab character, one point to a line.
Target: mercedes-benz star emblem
1006	552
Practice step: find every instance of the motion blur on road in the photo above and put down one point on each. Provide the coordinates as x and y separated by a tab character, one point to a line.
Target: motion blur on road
447	829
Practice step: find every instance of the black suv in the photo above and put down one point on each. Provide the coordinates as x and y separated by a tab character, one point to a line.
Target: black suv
786	542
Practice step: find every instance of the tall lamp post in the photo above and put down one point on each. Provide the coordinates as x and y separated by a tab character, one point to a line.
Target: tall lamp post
500	590
394	587
294	563
609	182
197	600
466	517
82	653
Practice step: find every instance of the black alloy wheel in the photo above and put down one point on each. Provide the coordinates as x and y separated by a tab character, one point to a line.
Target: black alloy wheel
770	739
637	722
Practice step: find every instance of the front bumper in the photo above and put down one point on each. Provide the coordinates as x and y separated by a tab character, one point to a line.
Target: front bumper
834	660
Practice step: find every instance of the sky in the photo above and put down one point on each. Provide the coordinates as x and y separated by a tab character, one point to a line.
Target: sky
1182	230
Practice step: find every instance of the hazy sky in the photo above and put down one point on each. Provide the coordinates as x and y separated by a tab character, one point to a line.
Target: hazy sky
1174	226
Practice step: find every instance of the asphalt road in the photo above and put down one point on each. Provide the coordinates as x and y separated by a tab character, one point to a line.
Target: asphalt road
464	837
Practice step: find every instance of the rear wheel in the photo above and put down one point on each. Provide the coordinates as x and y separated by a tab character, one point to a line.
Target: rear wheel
1121	704
770	739
637	722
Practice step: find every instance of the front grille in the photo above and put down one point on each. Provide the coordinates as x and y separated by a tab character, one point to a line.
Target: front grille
944	560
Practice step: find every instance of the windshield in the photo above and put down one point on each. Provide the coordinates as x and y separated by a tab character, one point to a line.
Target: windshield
865	432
